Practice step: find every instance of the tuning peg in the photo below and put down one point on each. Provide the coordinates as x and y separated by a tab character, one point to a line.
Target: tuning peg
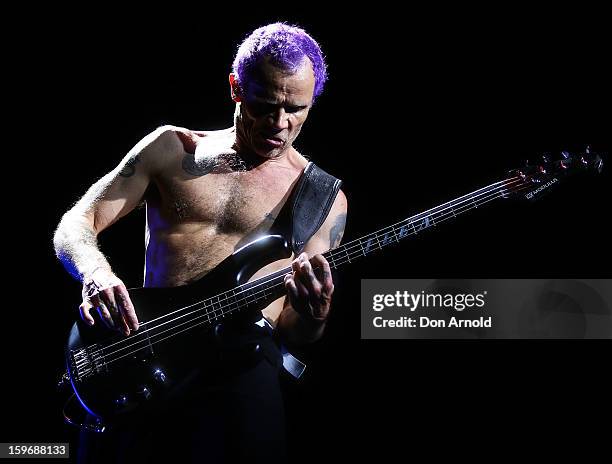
565	155
587	150
546	158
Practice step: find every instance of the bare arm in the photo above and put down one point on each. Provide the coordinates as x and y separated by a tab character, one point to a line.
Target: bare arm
305	309
105	202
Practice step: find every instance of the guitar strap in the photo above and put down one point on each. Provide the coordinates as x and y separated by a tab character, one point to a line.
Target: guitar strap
307	207
300	218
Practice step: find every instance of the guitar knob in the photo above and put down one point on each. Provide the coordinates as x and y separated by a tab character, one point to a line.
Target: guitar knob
121	400
159	376
144	392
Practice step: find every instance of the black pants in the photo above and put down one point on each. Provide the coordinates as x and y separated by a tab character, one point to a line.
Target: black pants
234	415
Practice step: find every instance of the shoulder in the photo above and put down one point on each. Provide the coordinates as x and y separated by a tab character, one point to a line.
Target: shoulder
164	144
173	138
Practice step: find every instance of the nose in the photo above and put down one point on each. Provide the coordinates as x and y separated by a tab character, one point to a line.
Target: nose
280	119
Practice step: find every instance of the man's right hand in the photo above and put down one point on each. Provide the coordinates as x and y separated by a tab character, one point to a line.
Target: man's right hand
104	292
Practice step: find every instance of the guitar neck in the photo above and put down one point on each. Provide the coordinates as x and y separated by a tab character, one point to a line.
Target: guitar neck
261	292
272	285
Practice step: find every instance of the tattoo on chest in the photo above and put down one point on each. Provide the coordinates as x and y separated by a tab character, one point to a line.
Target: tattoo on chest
223	162
198	169
129	169
337	230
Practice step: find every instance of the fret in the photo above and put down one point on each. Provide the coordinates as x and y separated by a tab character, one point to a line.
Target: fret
249	297
234	302
395	234
386	239
265	295
404	230
413	228
347	255
330	259
362	250
368	245
218	303
206	311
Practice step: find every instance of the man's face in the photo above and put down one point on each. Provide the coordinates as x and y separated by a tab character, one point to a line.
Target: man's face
274	105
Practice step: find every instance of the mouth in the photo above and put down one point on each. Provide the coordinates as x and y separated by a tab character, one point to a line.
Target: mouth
272	140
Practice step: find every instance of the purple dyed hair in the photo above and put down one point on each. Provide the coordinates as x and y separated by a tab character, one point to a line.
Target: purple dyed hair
287	46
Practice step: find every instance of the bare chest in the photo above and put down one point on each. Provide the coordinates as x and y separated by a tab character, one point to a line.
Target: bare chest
230	202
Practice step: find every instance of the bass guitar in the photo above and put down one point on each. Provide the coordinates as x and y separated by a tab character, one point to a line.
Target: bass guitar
112	376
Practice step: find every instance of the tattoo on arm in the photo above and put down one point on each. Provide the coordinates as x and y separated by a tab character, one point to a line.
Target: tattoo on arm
129	169
337	230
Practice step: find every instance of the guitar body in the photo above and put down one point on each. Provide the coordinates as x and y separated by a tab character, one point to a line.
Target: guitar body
114	376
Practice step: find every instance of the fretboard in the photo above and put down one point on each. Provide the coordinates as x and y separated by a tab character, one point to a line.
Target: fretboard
260	292
272	286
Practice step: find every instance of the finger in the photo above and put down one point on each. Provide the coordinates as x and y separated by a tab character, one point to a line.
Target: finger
107	296
126	307
85	309
324	274
295	264
292	290
307	276
298	295
301	288
105	315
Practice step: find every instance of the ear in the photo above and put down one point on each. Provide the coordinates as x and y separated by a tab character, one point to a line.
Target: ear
235	89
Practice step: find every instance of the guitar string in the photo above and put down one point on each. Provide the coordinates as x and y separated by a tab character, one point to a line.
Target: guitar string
342	259
456	202
344	255
228	312
470	197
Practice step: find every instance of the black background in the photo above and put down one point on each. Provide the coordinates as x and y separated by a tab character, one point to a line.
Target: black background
421	107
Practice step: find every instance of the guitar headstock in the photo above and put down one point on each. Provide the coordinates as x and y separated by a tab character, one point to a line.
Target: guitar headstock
536	179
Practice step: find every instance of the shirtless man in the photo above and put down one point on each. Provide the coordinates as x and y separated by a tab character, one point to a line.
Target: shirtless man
209	193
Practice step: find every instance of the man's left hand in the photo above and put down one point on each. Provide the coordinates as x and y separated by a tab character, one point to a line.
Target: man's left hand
310	286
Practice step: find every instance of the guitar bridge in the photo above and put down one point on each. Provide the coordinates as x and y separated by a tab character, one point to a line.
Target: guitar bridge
86	362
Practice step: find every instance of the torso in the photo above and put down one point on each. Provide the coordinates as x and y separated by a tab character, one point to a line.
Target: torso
197	216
